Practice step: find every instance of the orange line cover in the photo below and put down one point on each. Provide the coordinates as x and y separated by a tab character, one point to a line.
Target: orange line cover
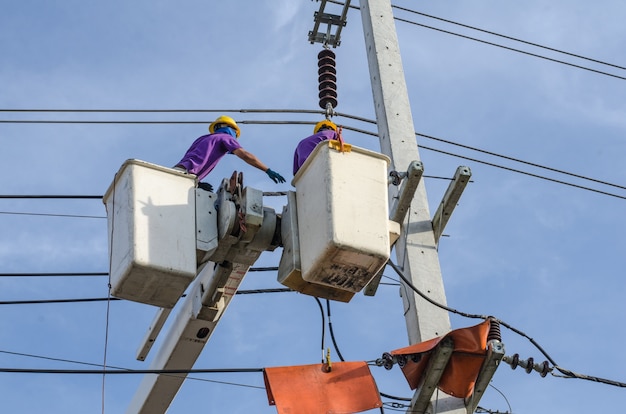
459	376
306	389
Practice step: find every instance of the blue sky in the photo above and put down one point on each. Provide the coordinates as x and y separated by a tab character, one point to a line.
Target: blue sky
545	257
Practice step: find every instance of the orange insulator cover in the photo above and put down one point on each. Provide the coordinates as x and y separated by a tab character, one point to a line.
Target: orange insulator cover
459	376
307	389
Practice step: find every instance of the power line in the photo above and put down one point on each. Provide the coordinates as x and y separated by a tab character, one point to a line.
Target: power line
81	274
128	371
580	187
511	38
506	157
566	373
51	215
82	300
502	46
425	148
60	197
54	274
434	138
515	50
119	368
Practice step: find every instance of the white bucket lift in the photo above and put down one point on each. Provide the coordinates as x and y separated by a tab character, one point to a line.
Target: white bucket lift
343	228
153	235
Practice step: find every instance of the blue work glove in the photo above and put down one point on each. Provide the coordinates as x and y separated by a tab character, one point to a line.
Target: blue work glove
277	178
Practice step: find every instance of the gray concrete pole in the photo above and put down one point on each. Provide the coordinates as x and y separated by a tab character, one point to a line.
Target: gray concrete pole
416	250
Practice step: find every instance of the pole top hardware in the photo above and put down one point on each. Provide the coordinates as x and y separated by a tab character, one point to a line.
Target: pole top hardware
332	21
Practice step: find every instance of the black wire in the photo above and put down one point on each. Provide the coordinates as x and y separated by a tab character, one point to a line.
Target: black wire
49	301
393	397
567	373
506	47
263	269
503	396
580	187
85	274
306	111
506	157
373	134
510	38
424	147
513	49
74	197
128	371
115	367
31	274
332	333
323	324
52	215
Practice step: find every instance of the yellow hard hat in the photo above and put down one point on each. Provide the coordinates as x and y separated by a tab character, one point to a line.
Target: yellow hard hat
225	120
324	123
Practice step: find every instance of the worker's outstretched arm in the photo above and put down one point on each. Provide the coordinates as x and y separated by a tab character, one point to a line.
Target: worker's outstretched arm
251	159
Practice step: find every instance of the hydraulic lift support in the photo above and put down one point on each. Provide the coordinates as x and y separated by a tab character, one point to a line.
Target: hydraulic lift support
209	295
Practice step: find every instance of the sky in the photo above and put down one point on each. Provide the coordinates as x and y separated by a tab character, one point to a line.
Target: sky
543	255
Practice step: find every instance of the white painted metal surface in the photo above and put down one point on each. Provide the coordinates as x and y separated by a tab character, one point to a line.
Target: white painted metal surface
152	233
343	216
210	294
290	269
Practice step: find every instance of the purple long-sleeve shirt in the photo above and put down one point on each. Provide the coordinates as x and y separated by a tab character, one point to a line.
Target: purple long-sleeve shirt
206	151
307	145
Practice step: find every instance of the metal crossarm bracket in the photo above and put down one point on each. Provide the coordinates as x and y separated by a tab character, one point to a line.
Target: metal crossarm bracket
331	20
495	353
436	365
450	200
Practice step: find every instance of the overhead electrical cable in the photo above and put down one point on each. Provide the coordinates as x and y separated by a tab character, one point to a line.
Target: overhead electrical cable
581	187
115	367
48	196
502	46
366	120
515	50
54	274
566	373
425	148
50	215
511	38
81	300
128	371
80	274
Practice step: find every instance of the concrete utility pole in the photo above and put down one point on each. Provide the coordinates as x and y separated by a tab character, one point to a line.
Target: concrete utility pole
416	250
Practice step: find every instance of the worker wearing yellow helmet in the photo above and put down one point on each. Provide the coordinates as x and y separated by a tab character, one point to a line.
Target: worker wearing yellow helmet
206	151
323	131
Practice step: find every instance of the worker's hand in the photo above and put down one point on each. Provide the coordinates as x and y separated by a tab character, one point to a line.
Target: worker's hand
277	178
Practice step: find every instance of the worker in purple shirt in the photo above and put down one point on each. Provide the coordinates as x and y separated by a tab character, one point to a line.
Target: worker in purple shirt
206	151
323	131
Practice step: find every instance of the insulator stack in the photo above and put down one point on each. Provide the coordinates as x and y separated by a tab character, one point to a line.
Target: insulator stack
494	330
529	365
327	78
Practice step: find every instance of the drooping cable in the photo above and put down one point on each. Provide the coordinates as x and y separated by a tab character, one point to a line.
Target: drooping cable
332	333
566	373
108	307
319	303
